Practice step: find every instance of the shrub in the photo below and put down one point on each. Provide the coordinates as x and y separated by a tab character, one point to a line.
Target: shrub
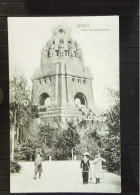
113	164
112	140
14	167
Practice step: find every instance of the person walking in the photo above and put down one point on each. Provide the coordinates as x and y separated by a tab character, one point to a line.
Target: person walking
85	166
98	171
38	166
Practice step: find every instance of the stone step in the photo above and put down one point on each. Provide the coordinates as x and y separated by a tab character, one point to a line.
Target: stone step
61	112
62	108
62	115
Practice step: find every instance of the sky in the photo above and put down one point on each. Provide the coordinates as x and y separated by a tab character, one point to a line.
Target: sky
99	42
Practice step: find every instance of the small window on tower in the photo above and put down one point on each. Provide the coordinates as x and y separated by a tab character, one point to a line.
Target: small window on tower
61	41
84	80
40	82
73	79
79	80
50	79
62	31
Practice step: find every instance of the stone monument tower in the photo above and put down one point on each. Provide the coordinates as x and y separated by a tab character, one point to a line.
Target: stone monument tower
62	85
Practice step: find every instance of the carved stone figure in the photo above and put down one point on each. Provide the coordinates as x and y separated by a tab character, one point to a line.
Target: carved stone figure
51	51
43	53
78	52
61	50
71	50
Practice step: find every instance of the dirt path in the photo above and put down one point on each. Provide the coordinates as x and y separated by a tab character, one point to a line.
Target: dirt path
60	176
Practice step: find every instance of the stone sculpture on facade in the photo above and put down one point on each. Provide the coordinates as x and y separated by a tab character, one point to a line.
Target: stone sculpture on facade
71	50
61	51
51	51
78	52
43	54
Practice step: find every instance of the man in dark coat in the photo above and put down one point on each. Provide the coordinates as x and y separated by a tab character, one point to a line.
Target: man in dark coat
85	166
38	166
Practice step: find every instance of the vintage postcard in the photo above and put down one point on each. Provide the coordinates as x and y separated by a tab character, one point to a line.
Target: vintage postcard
64	104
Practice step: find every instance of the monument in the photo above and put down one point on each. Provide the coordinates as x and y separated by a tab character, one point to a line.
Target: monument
62	85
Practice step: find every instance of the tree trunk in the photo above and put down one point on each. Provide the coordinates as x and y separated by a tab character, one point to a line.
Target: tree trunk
22	134
13	137
17	133
72	153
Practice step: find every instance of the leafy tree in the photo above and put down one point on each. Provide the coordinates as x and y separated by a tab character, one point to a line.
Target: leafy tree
58	146
46	133
71	137
21	109
90	141
112	140
20	103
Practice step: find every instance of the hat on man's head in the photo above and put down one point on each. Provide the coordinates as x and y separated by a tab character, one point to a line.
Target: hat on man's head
86	154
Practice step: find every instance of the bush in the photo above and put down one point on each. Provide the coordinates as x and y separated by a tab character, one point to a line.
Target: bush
113	165
14	167
112	140
25	150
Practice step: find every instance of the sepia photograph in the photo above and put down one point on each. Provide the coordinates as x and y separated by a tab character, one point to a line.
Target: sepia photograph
64	104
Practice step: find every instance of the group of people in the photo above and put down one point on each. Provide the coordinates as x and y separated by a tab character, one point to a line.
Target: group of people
86	169
85	166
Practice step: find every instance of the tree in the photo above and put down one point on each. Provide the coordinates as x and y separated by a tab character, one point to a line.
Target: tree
59	149
46	134
71	137
90	141
112	140
20	109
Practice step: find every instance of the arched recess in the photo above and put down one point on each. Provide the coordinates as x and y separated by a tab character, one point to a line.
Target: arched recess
80	99
44	99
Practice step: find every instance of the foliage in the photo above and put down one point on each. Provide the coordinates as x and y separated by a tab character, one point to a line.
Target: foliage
14	167
22	111
112	141
62	141
71	137
54	141
20	99
90	146
26	150
90	141
46	134
58	147
58	142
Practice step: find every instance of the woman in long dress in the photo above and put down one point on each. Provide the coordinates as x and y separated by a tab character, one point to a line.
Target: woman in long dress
98	171
85	165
